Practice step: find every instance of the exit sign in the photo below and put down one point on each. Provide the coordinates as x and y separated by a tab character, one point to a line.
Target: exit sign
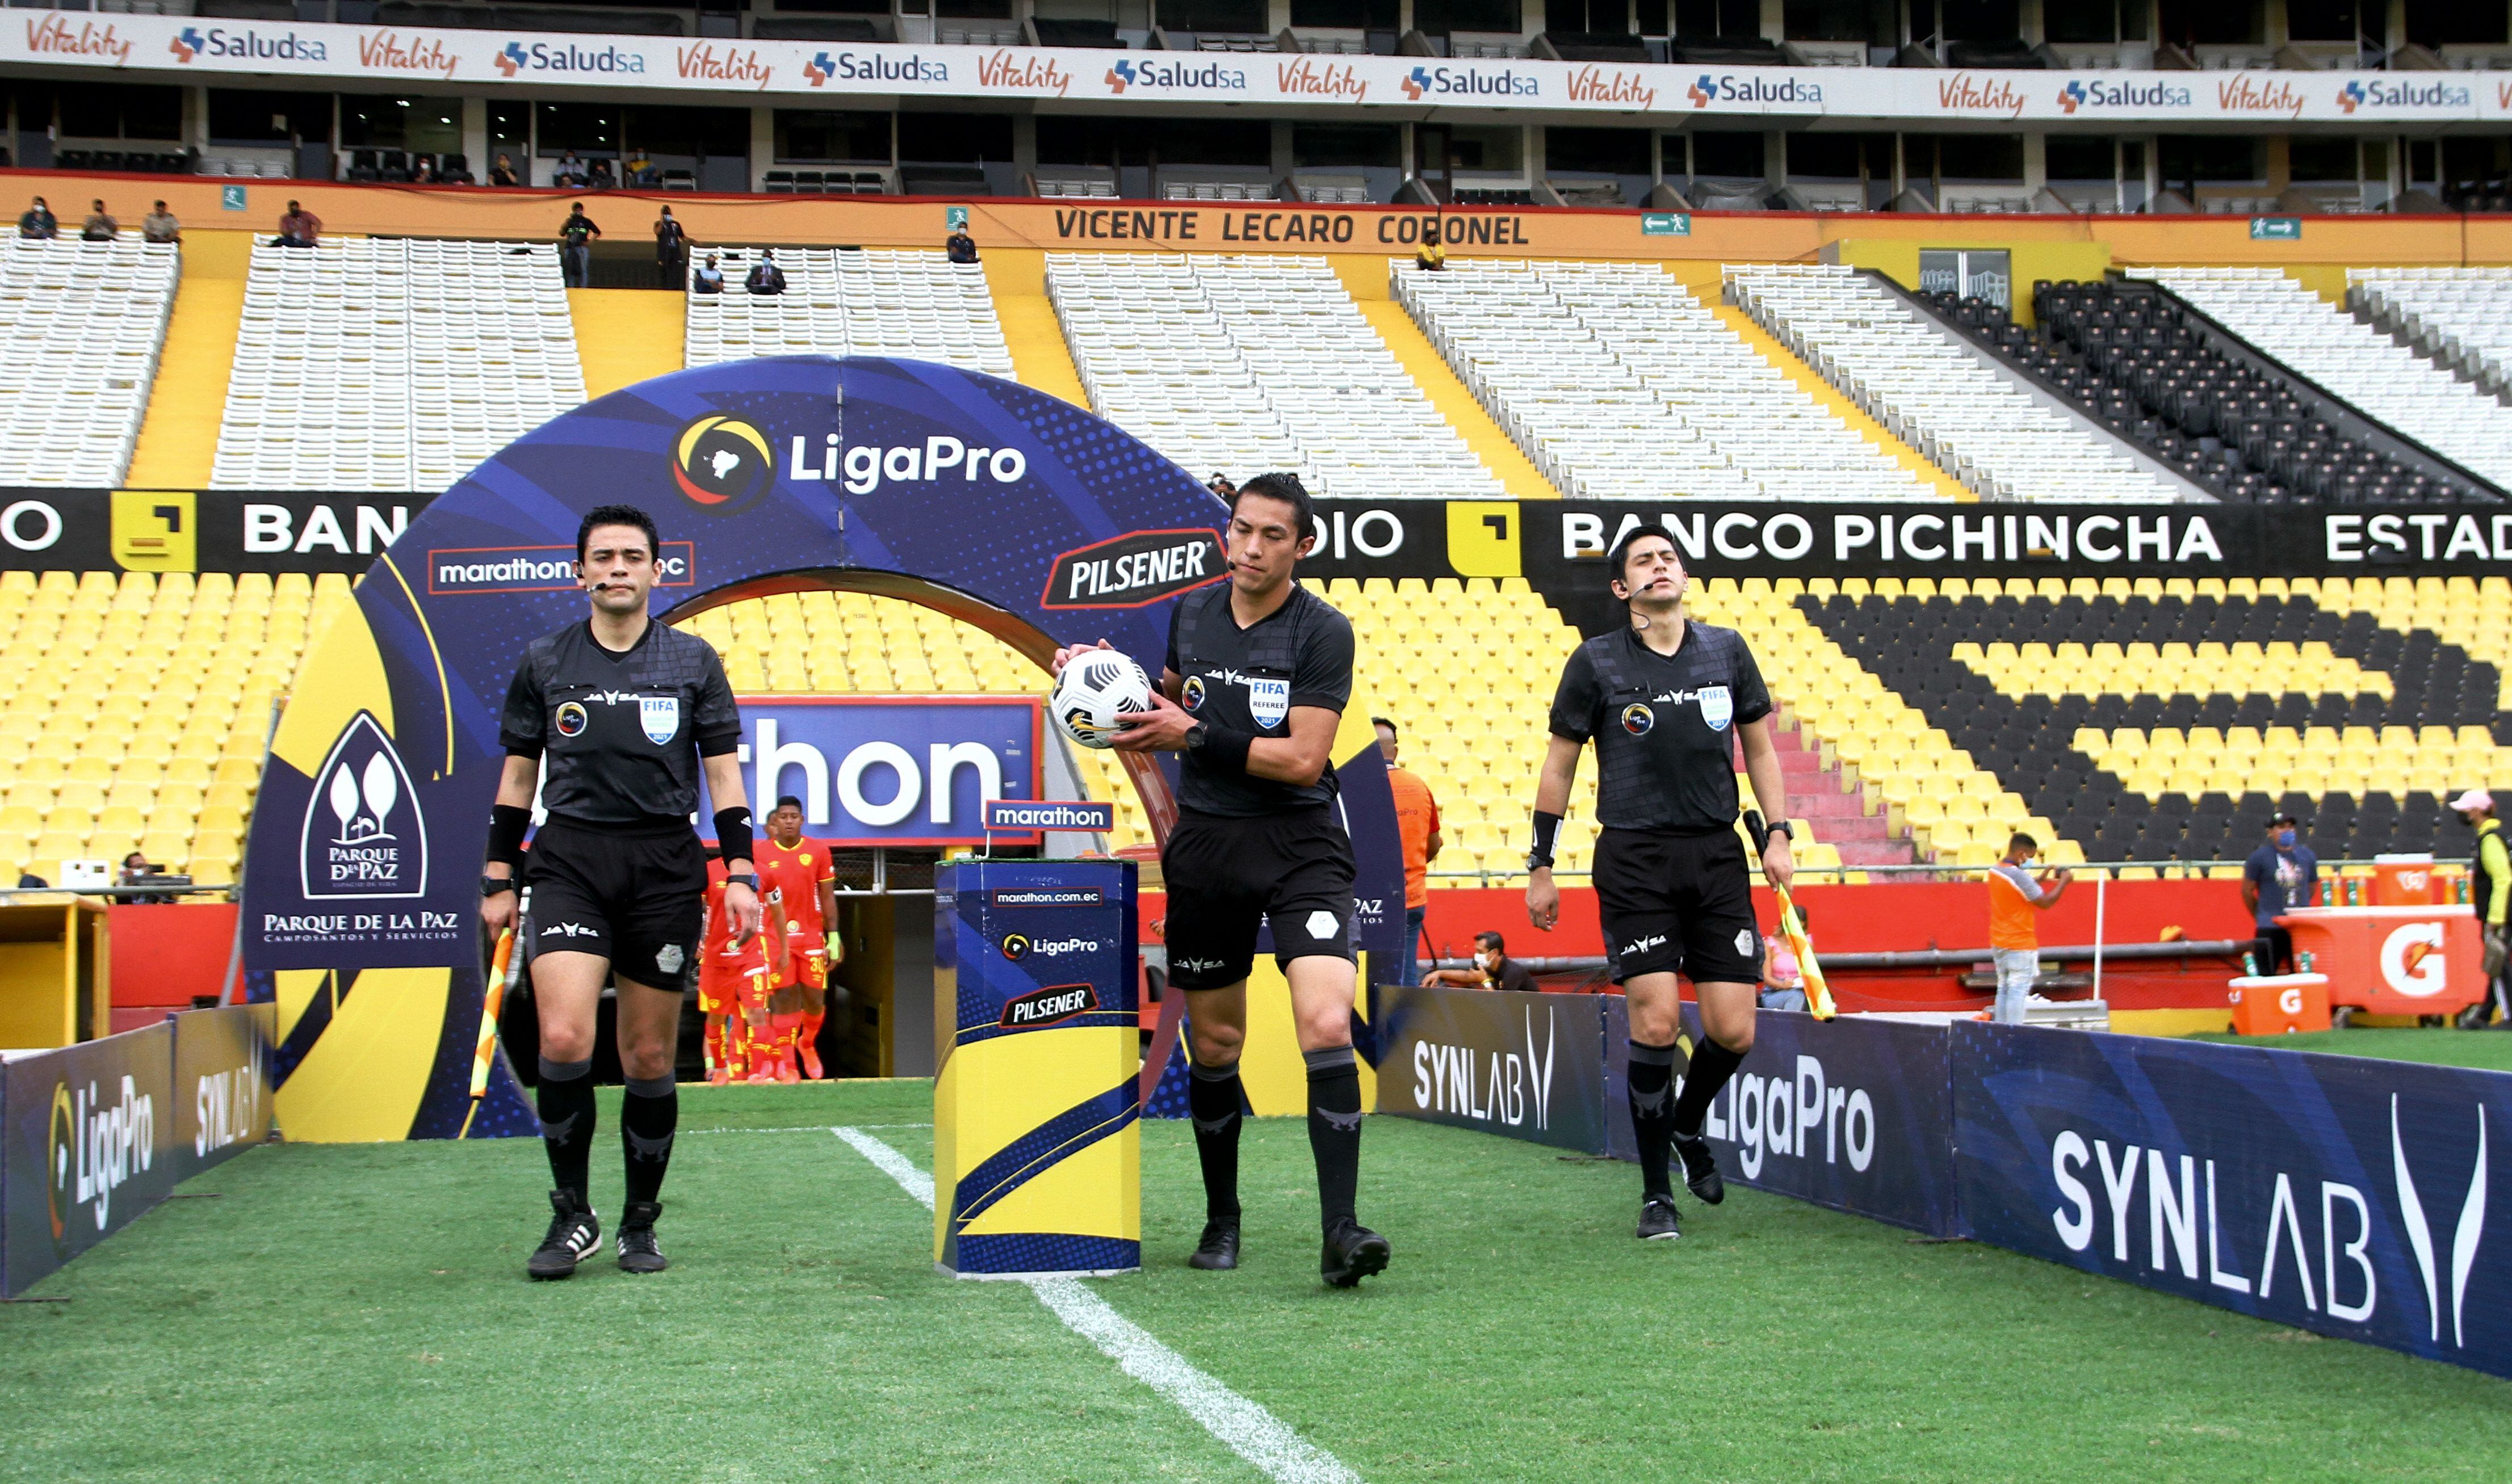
2276	230
1665	223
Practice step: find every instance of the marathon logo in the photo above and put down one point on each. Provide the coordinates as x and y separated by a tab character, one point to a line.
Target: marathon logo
2093	93
386	52
567	56
459	569
1136	570
1048	1007
1468	82
1004	816
1047	896
53	36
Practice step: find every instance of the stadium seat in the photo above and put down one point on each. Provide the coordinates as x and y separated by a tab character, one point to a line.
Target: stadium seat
86	321
848	301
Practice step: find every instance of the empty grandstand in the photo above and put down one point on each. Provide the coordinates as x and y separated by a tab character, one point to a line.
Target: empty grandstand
1619	382
2460	318
1936	393
85	322
848	301
2355	361
1243	363
381	364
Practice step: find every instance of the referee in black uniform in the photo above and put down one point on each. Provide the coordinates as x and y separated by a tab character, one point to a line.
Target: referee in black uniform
1664	700
1259	672
623	713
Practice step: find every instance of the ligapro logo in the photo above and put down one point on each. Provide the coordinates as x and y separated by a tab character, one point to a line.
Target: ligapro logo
364	837
1469	82
1019	946
2080	92
92	1147
567	56
1211	75
244	45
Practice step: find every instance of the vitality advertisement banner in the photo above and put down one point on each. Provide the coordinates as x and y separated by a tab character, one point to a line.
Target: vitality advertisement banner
221	50
89	1134
1850	1114
1527	1066
2337	1194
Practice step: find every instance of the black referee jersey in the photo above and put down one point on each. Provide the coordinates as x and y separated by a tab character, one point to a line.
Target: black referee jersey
1663	724
1247	680
619	736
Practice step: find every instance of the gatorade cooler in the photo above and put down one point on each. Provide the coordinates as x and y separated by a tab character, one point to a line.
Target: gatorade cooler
1036	1148
2275	1004
2403	881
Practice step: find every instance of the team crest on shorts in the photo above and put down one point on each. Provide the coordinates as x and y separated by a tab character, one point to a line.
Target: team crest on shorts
661	715
1717	707
1637	720
668	958
571	719
1269	701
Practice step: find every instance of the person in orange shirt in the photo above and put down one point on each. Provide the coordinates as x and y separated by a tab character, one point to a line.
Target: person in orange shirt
2013	939
732	981
1417	822
800	870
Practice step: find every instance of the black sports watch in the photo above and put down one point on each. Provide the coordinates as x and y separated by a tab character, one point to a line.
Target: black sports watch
1197	735
1780	826
742	878
490	885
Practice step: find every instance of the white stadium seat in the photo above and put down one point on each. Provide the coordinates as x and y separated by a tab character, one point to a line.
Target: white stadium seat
379	364
1245	364
913	304
1934	394
85	322
1619	383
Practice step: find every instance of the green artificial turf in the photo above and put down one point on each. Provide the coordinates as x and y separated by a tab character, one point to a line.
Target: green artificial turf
355	1312
2486	1050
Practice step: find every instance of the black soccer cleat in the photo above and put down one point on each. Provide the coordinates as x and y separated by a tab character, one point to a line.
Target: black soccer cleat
1353	1252
639	1252
1657	1222
1700	1168
575	1232
1218	1252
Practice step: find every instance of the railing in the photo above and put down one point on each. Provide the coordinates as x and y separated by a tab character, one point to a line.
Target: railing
2173	869
18	895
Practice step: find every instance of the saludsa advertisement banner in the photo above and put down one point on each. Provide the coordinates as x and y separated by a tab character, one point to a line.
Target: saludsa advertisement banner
212	48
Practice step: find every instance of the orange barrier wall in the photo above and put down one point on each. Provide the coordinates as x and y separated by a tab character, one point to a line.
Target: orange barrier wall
165	954
1256	227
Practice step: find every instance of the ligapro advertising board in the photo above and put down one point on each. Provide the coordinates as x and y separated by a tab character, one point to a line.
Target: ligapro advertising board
89	1133
2351	1198
225	52
1008	509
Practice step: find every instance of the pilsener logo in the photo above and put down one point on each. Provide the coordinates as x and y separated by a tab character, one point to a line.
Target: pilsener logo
1047	1006
364	837
1131	571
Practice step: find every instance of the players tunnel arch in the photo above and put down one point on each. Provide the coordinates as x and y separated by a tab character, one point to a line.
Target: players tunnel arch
1004	508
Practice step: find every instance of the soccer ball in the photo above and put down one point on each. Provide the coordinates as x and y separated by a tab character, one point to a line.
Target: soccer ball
1097	687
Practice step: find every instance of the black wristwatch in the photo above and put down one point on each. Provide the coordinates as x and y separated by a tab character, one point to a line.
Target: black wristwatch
1197	735
490	885
1780	826
742	878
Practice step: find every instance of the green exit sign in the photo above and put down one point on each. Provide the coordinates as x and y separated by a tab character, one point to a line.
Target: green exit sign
2276	230
1665	225
954	217
231	198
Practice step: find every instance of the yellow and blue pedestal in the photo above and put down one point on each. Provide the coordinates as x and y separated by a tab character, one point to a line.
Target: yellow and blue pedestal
1037	1133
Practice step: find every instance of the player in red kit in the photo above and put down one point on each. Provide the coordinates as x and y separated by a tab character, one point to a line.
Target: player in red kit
732	981
799	871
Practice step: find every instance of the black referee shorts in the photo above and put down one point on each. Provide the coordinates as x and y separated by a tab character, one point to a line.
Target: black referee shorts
1227	876
636	899
1677	904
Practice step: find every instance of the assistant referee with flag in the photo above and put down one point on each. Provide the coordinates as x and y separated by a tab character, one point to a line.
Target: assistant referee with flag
612	719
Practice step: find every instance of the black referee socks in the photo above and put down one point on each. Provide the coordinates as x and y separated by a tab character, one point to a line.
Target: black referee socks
1650	1084
647	1114
566	1102
1712	1066
1213	1100
1334	1130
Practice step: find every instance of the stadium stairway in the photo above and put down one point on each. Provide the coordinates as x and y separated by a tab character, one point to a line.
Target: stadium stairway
1824	392
625	336
178	437
1820	793
1365	279
1017	277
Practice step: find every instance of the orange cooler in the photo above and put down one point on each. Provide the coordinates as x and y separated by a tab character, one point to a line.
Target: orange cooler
2393	961
2403	881
2273	1006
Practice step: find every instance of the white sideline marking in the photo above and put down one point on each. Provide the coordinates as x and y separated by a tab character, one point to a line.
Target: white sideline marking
805	1128
1252	1432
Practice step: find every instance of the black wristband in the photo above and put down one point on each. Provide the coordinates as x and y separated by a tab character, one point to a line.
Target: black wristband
508	824
1548	831
733	834
1226	749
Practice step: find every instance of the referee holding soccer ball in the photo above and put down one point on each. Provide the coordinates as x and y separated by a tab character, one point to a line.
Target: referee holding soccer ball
1259	672
1666	701
612	719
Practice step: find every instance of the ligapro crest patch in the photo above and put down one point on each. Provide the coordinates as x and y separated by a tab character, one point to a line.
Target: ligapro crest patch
1637	718
364	837
661	715
1717	707
1269	701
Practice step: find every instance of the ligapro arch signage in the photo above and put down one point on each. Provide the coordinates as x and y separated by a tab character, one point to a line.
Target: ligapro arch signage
222	51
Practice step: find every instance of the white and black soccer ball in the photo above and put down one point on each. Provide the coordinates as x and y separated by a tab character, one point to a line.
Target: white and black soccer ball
1096	688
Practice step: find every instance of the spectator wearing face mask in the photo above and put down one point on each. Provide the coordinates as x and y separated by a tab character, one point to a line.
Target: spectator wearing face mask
1493	969
2278	878
2015	897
